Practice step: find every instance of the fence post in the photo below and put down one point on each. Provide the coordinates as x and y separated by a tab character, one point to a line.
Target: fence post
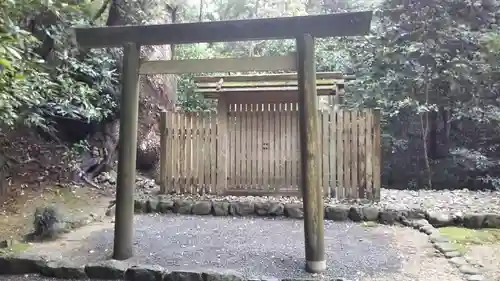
222	144
163	152
312	194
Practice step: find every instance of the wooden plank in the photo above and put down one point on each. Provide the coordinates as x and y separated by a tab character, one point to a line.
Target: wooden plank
309	147
324	90
170	151
362	154
332	152
214	164
245	64
201	154
369	155
340	155
189	153
124	218
254	145
163	152
354	154
222	149
247	147
329	25
182	159
325	141
347	154
271	77
260	168
175	150
205	151
259	84
272	146
265	147
377	165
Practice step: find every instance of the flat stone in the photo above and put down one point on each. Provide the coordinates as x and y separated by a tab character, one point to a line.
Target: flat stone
427	229
439	219
388	217
183	207
62	269
272	209
417	224
438	238
475	277
152	205
458	261
415	214
17	265
145	273
468	269
474	221
452	254
337	213
445	247
491	221
370	213
202	208
140	206
222	275
353	213
294	211
183	276
165	205
220	208
106	270
242	208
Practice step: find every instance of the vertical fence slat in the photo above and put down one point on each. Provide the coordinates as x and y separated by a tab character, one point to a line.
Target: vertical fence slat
332	152
362	154
354	154
265	147
340	155
377	169
213	153
163	152
369	155
246	137
325	141
176	152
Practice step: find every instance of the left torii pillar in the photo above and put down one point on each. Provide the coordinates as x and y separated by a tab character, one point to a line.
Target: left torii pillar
127	154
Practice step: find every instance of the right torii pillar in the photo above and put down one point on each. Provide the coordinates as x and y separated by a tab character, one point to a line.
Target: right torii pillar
312	195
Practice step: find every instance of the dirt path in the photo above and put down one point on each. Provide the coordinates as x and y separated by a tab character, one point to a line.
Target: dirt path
16	215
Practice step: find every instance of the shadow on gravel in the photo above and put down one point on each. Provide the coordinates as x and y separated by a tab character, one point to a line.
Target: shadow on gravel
255	247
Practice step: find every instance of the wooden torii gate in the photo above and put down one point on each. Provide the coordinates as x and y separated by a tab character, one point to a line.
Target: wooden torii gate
303	29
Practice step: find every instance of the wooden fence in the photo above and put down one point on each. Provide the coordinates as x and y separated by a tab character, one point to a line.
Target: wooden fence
262	155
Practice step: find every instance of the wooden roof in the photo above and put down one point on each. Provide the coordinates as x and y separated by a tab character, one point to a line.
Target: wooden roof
265	87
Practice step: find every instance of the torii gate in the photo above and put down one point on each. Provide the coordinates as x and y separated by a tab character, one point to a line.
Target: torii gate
303	29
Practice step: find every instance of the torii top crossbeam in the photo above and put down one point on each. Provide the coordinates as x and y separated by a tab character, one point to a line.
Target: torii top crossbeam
319	26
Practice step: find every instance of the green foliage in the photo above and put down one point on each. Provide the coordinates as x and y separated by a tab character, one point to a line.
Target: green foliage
63	84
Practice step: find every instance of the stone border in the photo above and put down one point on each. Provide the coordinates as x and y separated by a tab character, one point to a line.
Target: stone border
449	251
340	212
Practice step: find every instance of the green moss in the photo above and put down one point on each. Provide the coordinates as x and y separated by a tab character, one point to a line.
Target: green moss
463	238
15	248
369	224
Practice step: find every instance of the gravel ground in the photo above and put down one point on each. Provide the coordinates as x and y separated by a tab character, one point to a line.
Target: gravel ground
486	257
36	278
253	246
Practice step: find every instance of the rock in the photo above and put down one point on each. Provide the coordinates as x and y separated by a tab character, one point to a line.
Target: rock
106	270
439	219
417	224
202	208
49	223
140	206
415	214
445	247
452	254
111	211
428	229
165	205
183	207
276	209
152	205
438	238
145	273
491	221
337	213
474	221
370	213
62	269
241	208
354	213
183	276
388	217
222	276
468	270
17	265
221	208
294	211
475	277
458	261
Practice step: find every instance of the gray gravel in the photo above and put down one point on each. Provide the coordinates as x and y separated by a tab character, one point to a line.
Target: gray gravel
253	246
36	278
